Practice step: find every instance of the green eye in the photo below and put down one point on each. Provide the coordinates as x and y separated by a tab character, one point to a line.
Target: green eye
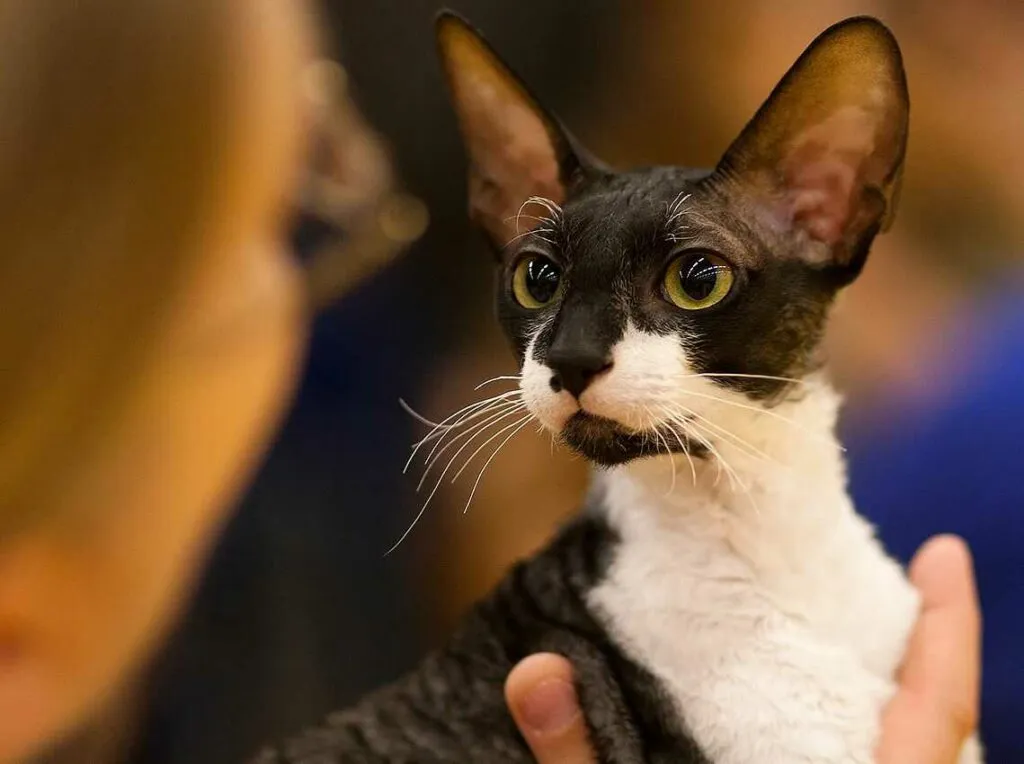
698	280
536	281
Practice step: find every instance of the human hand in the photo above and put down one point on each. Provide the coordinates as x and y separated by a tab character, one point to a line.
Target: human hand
935	709
543	702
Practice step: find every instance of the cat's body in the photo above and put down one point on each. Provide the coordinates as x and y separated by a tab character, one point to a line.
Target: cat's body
719	597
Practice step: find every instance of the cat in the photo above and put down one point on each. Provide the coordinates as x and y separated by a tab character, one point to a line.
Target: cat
719	597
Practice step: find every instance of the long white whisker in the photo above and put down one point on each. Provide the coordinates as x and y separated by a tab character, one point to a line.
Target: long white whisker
427	502
766	377
463	415
672	460
538	218
455	456
731	472
518	213
675	209
446	423
686	453
824	439
734	478
493	416
479	477
703	434
547	204
473	431
745	446
694	429
416	415
490	413
407	530
504	378
659	438
474	454
550	206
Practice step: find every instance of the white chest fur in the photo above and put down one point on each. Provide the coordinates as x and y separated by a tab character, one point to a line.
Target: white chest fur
769	612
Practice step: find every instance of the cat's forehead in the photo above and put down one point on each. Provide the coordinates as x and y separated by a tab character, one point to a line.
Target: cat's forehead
634	203
637	216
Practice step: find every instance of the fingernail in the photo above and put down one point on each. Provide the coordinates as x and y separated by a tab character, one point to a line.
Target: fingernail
550	707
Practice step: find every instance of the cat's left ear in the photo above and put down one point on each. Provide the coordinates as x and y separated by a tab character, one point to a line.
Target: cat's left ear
516	150
822	158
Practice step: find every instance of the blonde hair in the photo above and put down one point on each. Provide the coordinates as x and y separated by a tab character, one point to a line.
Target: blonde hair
117	120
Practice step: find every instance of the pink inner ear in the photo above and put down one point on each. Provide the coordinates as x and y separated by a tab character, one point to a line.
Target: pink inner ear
820	198
514	159
824	173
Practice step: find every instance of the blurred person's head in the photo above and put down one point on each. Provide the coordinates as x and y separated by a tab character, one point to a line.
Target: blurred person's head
151	319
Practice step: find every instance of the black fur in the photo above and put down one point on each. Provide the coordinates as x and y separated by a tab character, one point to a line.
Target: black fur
452	709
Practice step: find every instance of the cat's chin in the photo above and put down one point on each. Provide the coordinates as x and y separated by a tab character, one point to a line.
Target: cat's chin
608	444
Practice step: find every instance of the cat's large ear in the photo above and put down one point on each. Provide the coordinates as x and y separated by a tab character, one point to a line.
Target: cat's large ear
822	158
515	149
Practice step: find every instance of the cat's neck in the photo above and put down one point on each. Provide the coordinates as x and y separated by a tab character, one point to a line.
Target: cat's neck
766	496
788	540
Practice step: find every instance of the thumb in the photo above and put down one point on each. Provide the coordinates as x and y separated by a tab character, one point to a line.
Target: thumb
935	708
543	702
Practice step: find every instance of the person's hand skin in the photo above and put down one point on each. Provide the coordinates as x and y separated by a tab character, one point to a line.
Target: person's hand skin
936	707
933	713
543	702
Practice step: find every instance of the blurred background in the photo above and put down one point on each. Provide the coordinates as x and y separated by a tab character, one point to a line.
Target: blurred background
301	611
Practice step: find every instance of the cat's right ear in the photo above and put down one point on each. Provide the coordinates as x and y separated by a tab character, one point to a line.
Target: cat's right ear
516	151
823	157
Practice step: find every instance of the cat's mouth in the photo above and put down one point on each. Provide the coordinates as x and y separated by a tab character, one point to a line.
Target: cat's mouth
608	443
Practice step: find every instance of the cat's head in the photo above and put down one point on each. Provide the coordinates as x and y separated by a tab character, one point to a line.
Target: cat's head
635	300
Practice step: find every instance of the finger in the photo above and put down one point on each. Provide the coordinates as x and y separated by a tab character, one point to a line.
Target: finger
543	702
936	706
950	627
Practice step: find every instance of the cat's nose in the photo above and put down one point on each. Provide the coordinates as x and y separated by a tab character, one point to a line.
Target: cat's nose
574	371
